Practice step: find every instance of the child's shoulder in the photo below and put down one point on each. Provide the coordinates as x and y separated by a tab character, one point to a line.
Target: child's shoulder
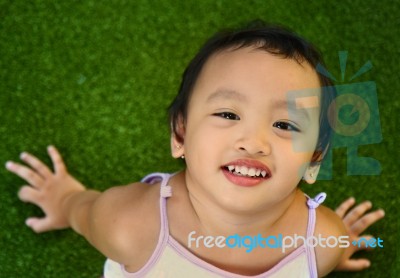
126	223
329	226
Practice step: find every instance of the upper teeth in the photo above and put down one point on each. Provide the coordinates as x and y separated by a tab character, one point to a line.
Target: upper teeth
245	171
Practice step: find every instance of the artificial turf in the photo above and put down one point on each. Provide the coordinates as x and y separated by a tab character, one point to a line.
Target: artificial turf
95	78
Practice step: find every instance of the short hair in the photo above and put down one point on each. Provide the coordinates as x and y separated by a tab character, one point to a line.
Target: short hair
274	39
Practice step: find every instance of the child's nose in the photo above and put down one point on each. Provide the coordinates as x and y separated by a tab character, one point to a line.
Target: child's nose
254	141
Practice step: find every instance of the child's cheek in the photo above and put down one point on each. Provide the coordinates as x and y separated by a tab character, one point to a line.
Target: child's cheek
304	143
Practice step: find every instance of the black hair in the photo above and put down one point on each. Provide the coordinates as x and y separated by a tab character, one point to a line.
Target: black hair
274	39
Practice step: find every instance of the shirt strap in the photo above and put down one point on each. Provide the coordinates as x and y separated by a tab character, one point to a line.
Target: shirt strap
312	204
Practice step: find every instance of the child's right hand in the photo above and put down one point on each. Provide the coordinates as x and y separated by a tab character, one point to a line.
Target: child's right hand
46	189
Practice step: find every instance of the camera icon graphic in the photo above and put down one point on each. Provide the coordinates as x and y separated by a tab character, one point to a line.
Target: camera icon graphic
353	117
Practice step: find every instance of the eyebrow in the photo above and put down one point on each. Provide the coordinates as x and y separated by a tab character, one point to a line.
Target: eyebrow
293	107
298	102
226	94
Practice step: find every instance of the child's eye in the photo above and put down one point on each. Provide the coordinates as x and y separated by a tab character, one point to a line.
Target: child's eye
285	126
228	116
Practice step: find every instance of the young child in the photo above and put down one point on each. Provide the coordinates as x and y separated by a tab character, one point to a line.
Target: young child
246	146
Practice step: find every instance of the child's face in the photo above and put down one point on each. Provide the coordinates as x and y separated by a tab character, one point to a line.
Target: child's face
238	116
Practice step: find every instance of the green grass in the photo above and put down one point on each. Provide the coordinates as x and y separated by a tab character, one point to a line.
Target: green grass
95	78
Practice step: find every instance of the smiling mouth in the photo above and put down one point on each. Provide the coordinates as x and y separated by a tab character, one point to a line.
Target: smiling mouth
249	172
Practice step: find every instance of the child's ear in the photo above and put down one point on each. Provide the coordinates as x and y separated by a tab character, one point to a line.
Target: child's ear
311	173
177	148
312	170
177	139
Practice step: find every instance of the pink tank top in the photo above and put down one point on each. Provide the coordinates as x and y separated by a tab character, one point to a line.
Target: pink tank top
171	259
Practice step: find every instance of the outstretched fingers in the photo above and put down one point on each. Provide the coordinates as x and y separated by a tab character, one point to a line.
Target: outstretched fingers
367	220
29	194
356	213
357	219
345	206
47	189
39	225
58	162
36	164
354	265
25	173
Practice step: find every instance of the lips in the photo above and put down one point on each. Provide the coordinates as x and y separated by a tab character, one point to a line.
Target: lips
245	172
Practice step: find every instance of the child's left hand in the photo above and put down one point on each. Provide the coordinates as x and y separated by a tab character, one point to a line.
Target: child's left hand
356	221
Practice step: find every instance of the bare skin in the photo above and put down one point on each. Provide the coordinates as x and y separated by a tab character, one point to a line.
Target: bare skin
93	215
239	103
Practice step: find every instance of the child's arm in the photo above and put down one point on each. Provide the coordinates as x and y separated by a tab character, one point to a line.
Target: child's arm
356	221
111	221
